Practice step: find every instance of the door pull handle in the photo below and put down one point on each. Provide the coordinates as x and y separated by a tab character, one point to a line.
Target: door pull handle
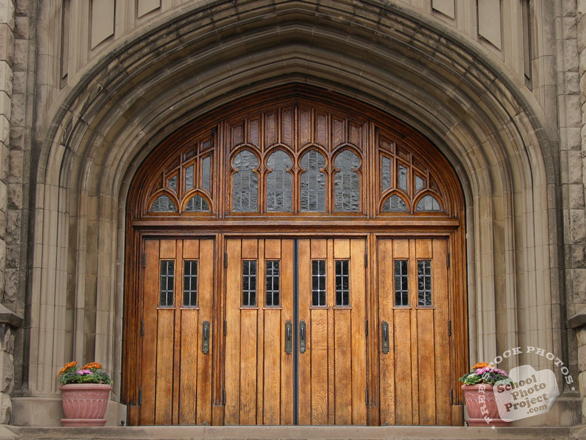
288	337
302	337
205	340
385	331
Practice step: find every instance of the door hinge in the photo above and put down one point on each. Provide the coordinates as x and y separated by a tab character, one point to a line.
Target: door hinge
225	327
366	327
365	260
142	327
448	260
449	328
225	259
144	260
140	395
451	396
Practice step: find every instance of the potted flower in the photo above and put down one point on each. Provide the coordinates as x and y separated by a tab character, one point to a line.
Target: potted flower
481	400
84	393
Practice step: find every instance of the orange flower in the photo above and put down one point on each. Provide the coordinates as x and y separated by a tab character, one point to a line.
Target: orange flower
66	367
91	365
480	365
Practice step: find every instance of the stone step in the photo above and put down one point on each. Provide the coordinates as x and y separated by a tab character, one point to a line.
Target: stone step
291	432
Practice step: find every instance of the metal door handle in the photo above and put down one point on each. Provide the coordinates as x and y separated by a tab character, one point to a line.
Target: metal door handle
288	337
302	333
205	340
385	331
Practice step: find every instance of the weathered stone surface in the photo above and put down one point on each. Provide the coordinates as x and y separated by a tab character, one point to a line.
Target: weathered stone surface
6	44
15	197
13	225
3	196
10	285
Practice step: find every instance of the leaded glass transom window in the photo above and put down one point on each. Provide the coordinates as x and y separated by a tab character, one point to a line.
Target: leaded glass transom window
428	203
342	282
347	182
313	182
245	182
197	204
401	283
279	182
424	282
273	278
395	204
167	277
249	283
318	280
190	283
163	203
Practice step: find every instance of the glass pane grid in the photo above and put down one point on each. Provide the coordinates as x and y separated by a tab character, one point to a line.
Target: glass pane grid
313	182
273	283
249	283
342	283
401	283
318	281
424	282
347	183
279	182
190	283
167	282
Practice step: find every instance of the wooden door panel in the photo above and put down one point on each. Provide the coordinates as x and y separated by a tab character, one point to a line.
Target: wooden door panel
332	371
410	390
259	374
175	374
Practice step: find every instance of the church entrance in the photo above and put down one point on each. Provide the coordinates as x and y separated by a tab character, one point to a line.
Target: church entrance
293	260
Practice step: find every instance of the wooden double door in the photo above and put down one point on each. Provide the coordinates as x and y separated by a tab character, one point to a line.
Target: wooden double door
312	334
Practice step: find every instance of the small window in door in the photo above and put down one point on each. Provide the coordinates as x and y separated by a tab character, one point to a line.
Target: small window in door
401	283
273	278
342	283
190	283
318	280
167	282
249	283
424	282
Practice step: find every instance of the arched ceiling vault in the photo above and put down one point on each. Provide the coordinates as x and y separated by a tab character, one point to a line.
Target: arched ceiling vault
158	80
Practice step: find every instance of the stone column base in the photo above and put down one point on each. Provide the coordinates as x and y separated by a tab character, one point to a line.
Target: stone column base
47	412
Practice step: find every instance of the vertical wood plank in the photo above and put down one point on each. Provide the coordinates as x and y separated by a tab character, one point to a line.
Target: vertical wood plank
358	334
331	301
233	301
248	363
386	301
305	366
403	382
164	376
190	342
427	370
342	377
319	367
260	333
286	315
442	344
414	327
206	304
272	367
178	301
149	339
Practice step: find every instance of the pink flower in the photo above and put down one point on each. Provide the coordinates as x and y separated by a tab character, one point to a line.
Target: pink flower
84	372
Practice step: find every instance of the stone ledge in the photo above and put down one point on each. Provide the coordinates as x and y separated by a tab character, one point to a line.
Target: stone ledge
578	320
7	316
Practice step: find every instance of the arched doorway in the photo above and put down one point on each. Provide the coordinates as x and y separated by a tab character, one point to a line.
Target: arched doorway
295	257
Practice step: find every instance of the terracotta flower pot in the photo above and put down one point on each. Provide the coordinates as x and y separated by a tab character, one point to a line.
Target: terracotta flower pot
481	403
84	404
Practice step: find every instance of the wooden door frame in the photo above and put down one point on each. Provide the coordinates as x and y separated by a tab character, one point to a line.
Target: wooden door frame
133	309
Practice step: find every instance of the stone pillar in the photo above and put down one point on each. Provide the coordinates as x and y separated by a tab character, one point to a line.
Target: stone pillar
9	322
578	323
